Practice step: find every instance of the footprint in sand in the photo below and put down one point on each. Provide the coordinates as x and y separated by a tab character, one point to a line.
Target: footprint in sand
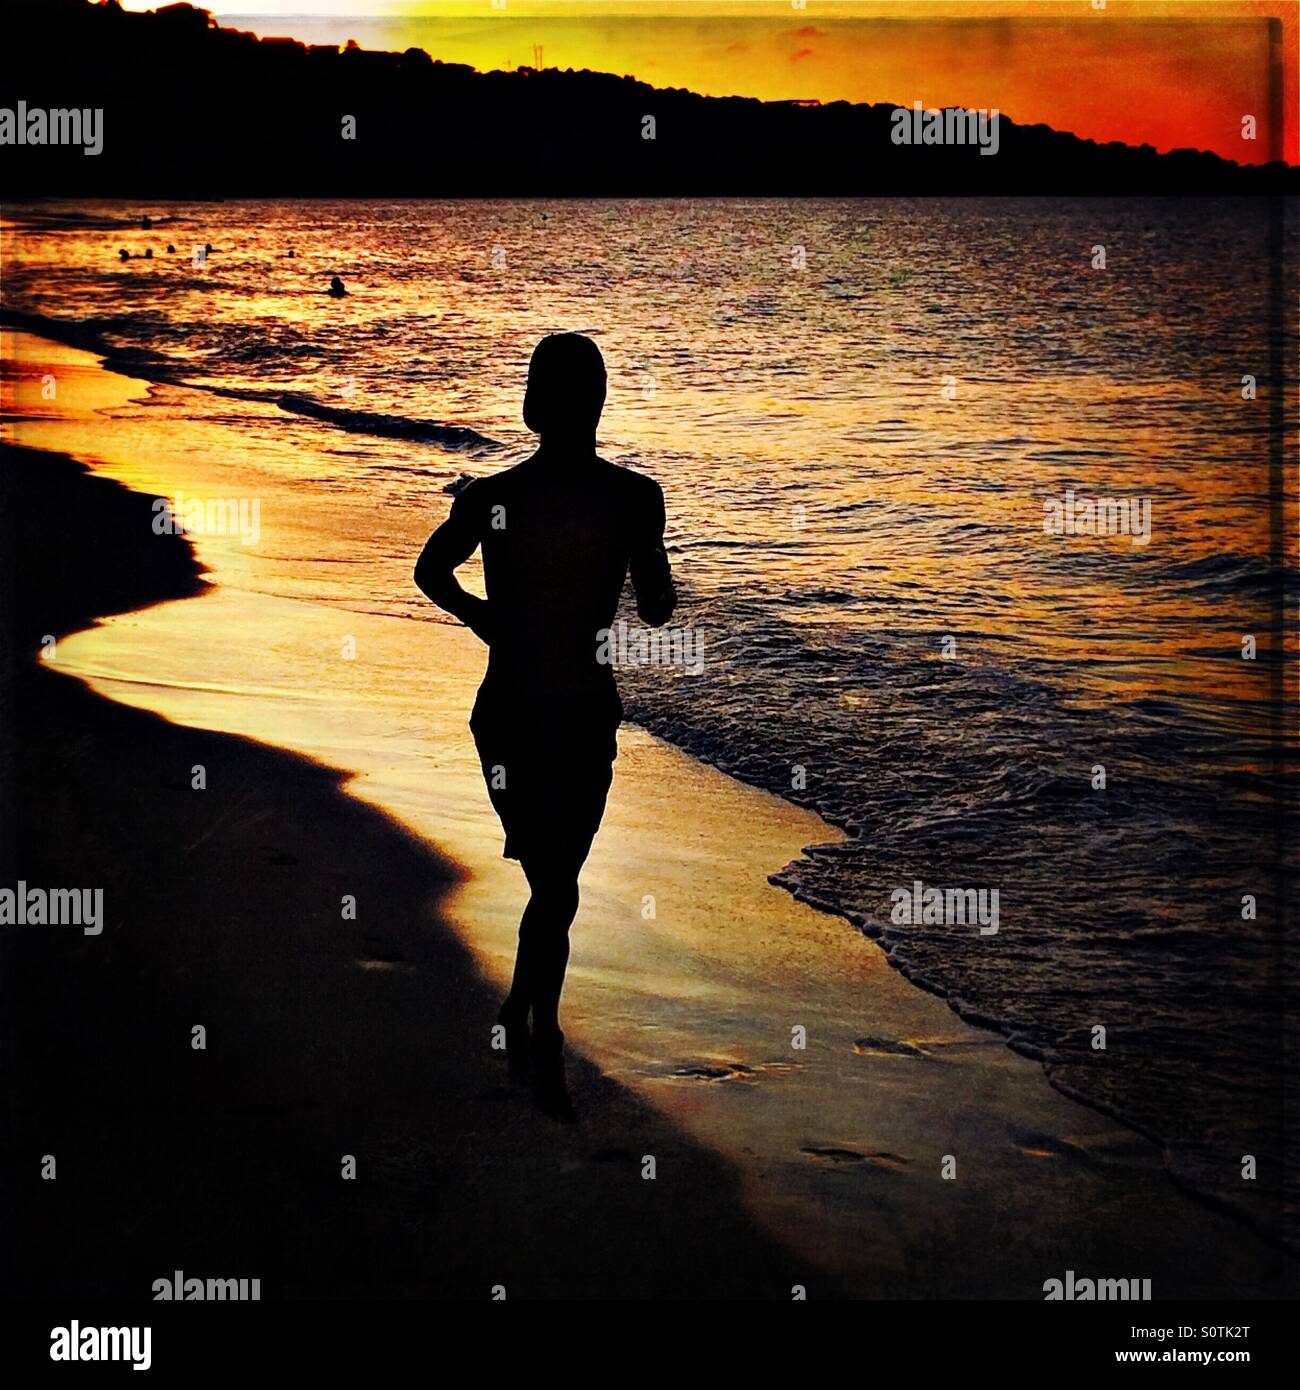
379	954
889	1162
886	1047
381	960
729	1071
1117	1149
832	1154
1040	1145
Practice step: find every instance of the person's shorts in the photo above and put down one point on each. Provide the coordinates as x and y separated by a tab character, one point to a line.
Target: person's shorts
548	765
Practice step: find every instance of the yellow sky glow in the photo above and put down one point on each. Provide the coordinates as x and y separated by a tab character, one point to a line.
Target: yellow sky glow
1167	74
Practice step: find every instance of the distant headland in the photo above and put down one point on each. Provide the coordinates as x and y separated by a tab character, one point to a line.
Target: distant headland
190	109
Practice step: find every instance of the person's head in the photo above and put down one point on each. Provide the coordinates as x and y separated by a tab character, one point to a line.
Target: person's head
566	388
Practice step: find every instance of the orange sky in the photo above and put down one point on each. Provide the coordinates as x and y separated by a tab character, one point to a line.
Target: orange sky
1165	74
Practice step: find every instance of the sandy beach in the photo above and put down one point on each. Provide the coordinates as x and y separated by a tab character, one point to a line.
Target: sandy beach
899	1153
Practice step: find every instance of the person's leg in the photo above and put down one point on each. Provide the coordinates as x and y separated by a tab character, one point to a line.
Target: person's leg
539	974
543	954
557	799
556	809
520	999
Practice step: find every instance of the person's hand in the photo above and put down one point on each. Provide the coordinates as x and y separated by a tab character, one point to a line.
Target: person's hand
479	620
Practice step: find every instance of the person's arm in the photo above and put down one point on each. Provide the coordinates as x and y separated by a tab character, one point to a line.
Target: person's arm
651	577
435	571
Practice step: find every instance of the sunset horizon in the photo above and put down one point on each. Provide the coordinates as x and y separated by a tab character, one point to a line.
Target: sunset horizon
1197	74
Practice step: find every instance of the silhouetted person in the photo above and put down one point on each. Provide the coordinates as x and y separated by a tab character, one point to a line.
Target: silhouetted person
145	223
148	253
289	253
559	534
123	254
337	289
171	250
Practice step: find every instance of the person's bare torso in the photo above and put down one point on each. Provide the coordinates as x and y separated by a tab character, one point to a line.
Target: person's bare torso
557	540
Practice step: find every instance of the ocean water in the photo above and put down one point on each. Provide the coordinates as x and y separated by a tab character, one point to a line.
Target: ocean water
860	412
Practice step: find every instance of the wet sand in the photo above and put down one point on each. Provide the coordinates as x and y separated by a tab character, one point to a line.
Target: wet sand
826	1159
223	911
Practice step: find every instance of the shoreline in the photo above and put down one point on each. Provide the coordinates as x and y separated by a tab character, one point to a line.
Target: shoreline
227	1159
834	1149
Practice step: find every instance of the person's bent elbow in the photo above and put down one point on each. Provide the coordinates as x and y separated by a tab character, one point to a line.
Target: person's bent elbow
428	579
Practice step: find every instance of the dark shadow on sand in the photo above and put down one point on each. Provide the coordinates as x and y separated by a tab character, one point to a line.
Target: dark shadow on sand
325	1037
